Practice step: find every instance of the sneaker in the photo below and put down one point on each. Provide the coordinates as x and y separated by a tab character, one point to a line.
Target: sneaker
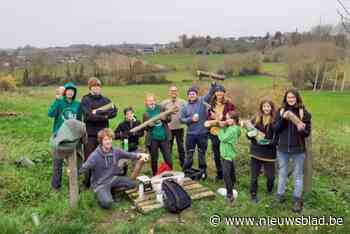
298	206
280	198
231	201
204	176
254	199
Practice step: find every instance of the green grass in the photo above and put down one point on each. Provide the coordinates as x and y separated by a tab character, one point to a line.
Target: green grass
25	191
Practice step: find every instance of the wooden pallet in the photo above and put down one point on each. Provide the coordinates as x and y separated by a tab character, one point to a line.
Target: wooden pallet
148	203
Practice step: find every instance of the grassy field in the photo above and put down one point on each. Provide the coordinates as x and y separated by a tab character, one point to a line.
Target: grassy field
25	191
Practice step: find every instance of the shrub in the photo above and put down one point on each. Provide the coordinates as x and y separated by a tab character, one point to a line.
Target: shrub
308	59
247	98
8	83
242	64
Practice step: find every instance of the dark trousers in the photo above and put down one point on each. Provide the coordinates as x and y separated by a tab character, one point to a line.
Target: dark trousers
88	149
229	175
201	141
269	170
216	150
164	147
178	134
104	192
58	168
57	172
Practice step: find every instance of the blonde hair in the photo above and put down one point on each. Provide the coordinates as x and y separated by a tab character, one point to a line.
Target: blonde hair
106	132
150	95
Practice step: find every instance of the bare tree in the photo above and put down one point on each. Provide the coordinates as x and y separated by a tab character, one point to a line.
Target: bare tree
344	14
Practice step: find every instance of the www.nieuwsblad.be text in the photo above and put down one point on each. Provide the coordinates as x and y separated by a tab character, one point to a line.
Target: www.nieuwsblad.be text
216	220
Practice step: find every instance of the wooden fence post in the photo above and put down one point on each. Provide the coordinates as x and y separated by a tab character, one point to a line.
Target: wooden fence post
308	165
73	180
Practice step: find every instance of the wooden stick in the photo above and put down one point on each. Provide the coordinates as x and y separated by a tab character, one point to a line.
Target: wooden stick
211	123
293	118
154	119
137	169
105	107
73	180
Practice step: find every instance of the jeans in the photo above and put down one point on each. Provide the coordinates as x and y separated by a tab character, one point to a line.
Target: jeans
298	172
269	170
216	150
104	192
229	176
154	150
201	141
178	134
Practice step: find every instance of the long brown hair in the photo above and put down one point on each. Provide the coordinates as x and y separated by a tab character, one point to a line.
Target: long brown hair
260	113
299	104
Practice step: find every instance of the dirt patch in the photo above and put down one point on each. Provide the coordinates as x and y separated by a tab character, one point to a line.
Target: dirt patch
108	222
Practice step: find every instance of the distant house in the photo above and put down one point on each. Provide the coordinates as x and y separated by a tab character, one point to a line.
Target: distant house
149	50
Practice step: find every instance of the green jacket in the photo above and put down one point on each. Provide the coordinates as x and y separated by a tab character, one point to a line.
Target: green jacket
228	137
61	109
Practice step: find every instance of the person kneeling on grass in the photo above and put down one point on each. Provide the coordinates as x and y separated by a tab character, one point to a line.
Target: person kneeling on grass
228	135
103	163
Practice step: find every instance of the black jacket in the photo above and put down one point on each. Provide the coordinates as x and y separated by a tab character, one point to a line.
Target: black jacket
290	140
122	132
263	151
99	121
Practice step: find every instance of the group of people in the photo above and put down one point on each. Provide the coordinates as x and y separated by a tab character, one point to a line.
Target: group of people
105	168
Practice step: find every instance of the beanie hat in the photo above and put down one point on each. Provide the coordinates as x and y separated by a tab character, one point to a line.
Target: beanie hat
192	89
220	88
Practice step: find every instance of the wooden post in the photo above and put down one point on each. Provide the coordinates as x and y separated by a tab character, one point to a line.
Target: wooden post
343	84
73	180
308	165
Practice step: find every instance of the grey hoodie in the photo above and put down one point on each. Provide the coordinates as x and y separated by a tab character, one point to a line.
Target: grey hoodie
197	107
104	166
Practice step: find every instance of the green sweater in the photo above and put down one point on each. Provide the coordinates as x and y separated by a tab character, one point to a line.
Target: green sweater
62	109
158	132
228	137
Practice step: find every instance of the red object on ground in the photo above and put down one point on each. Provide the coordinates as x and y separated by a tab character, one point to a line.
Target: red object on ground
163	167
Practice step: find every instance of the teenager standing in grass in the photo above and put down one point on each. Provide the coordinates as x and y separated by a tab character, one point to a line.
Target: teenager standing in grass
103	164
158	133
291	145
220	106
263	154
175	126
63	108
95	119
228	135
194	114
130	141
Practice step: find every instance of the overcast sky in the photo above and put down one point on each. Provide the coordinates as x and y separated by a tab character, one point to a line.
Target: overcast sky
45	23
